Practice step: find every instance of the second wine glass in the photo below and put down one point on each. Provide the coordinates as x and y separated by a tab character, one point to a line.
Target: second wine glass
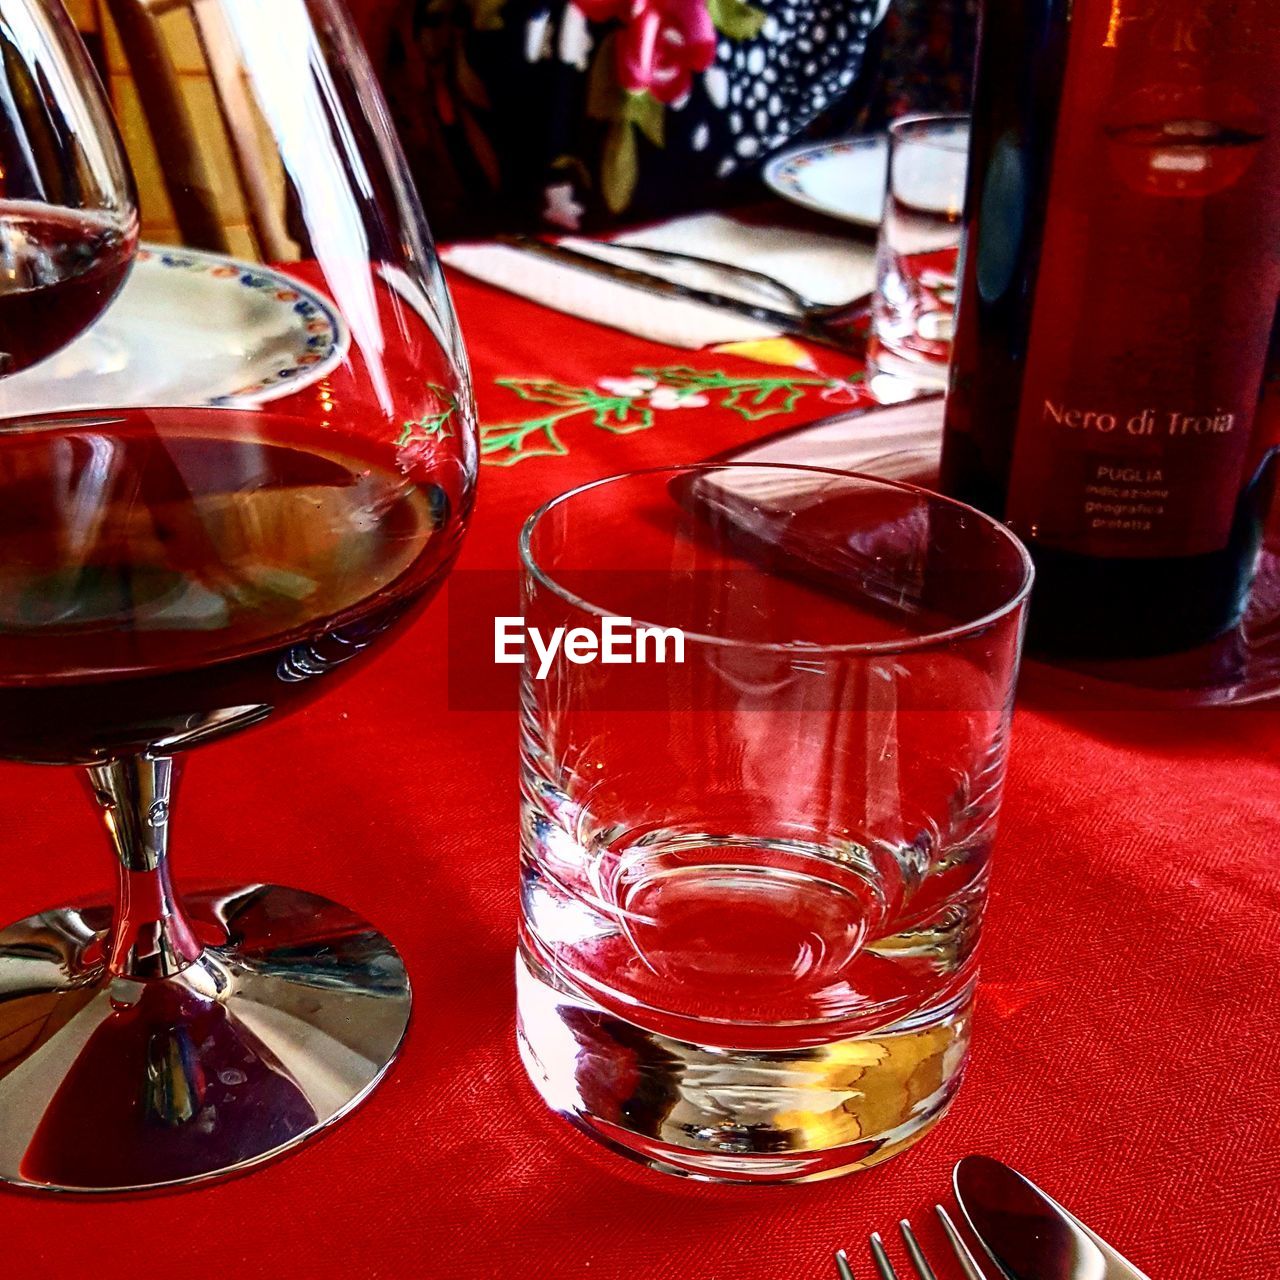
68	215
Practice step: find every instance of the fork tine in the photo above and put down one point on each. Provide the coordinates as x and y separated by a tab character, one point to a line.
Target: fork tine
968	1263
883	1265
842	1265
915	1253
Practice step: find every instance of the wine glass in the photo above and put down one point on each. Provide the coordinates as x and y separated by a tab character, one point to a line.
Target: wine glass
253	471
68	217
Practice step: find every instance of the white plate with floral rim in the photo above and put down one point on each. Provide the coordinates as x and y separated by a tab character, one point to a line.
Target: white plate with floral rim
843	179
189	328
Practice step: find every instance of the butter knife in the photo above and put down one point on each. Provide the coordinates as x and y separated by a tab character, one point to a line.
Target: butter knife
836	329
1029	1235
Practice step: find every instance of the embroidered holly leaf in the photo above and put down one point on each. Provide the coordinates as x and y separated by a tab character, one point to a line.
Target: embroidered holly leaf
435	421
549	391
605	96
750	398
648	115
686	376
620	169
736	19
763	399
506	444
624	405
622	415
436	424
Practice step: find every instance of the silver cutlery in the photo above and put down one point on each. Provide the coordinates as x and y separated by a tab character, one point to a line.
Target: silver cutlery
924	1271
1029	1235
750	278
834	326
1026	1234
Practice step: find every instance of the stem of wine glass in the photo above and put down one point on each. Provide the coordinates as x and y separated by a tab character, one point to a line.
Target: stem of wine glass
151	936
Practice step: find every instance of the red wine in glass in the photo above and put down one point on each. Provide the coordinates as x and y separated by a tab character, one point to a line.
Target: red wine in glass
171	575
59	269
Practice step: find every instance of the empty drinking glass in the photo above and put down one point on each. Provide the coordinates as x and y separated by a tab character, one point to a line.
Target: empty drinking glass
755	843
913	315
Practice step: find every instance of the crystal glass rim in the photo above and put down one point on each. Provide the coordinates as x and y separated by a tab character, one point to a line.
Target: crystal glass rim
927	640
904	127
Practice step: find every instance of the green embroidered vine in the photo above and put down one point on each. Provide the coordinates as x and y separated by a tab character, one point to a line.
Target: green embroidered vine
432	423
623	405
509	442
750	398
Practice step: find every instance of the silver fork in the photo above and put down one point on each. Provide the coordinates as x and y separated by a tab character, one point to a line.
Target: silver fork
834	325
884	1268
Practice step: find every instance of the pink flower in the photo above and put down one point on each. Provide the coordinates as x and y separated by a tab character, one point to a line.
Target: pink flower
663	42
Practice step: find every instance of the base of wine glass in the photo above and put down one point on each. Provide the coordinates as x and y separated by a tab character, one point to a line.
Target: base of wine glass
718	1114
896	374
286	1021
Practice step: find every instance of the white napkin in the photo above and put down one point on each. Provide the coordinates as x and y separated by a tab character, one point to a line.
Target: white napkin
824	268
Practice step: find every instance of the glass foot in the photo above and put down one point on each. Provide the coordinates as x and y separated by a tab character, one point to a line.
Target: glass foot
288	1018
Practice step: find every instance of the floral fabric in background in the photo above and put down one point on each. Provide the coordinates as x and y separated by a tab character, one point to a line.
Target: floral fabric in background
576	113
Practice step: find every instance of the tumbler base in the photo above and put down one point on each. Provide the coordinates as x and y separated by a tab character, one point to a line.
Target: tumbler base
733	1115
286	1021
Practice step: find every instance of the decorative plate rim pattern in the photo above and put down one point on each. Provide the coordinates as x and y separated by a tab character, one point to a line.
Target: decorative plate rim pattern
327	338
782	173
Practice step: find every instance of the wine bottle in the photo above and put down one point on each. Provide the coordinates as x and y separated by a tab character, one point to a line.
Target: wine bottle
1119	278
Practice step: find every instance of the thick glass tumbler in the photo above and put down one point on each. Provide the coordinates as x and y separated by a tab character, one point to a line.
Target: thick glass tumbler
761	769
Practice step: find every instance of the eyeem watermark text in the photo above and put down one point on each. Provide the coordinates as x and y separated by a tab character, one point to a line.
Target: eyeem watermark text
618	643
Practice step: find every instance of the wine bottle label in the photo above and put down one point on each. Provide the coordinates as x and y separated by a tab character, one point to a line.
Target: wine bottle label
1157	282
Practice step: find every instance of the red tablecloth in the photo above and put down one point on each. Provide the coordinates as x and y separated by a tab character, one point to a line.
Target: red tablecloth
1127	1050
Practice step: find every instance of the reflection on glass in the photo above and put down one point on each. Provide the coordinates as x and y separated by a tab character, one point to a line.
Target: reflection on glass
227	493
